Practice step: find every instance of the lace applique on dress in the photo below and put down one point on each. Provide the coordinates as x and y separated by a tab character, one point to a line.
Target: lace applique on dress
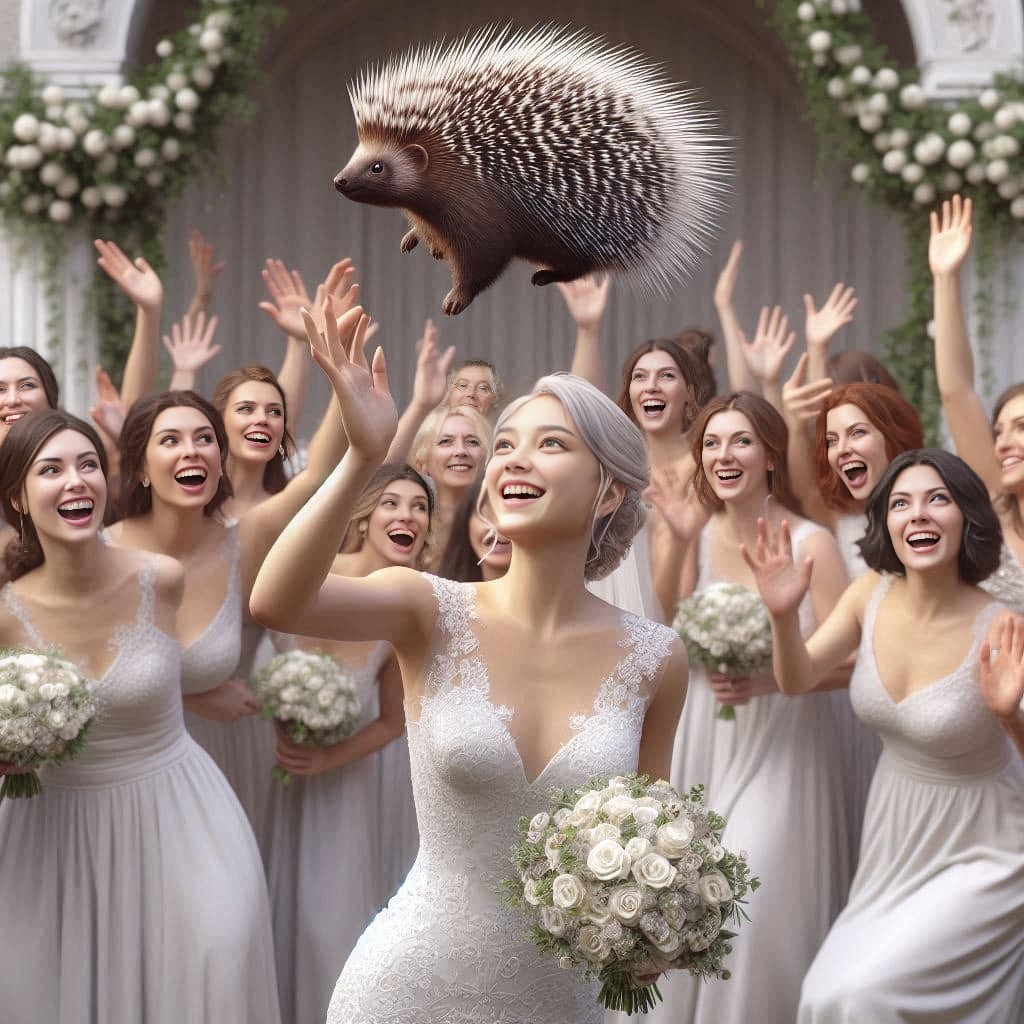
1006	584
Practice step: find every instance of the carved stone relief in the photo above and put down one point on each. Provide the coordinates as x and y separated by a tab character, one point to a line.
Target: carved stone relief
76	22
973	20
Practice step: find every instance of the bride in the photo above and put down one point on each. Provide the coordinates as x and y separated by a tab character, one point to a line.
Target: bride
511	687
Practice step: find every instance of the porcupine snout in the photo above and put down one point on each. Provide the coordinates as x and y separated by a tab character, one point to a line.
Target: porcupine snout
341	182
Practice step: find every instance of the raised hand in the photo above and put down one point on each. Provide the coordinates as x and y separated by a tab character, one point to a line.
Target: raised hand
190	344
367	408
725	286
684	515
801	402
781	583
772	341
288	294
586	298
432	366
108	413
206	272
1001	666
950	236
822	324
138	280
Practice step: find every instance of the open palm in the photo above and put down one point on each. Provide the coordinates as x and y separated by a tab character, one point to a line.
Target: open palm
1001	666
781	583
950	236
821	324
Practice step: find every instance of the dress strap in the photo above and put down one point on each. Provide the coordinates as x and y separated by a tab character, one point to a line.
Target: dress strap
867	631
629	687
20	612
456	607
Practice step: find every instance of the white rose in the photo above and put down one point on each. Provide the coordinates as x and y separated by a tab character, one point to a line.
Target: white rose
912	97
674	837
170	149
638	847
646	810
50	174
164	48
626	903
211	39
57	719
924	193
930	149
202	76
26	128
805	12
539	822
654	870
989	99
553	921
819	41
187	100
960	153
860	75
887	79
912	174
605	830
530	892
671	945
900	138
878	103
159	113
561	818
1005	118
67	186
959	123
713	888
122	136
847	55
1017	208
553	852
109	96
870	122
997	171
619	808
592	945
567	892
138	114
95	142
176	81
860	173
894	161
585	810
608	860
48	691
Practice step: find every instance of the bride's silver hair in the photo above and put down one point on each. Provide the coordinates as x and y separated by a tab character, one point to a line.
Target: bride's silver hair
621	453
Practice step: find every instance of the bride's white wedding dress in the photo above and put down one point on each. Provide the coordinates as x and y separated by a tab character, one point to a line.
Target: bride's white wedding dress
446	950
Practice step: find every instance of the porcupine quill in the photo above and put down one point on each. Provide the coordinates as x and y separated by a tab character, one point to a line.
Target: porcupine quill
544	145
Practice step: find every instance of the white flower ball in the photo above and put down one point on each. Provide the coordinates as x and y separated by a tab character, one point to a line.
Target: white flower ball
50	173
860	75
1005	118
202	76
107	164
218	19
879	103
951	181
32	203
95	142
894	161
997	171
924	193
26	128
975	174
65	138
849	108
54	113
887	79
13	156
67	186
900	138
129	95
187	100
6	191
960	123
138	114
79	124
860	173
989	99
170	149
114	195
849	54
159	113
211	39
214	58
109	96
819	41
836	88
49	139
155	178
145	157
870	122
1017	208
930	149
912	97
930	329
158	92
805	12
177	80
122	136
91	197
912	174
819	60
1008	189
1006	145
882	142
960	153
73	110
839	6
164	48
60	211
985	131
52	96
183	121
30	157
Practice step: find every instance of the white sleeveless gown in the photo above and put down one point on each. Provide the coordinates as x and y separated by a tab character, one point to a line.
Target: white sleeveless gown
934	928
776	775
132	888
446	950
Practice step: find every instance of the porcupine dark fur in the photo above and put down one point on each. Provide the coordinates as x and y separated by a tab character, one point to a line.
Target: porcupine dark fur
543	145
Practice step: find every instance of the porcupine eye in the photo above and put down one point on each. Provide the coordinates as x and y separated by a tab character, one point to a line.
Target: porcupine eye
377	167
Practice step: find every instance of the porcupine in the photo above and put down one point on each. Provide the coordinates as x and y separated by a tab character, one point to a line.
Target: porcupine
545	145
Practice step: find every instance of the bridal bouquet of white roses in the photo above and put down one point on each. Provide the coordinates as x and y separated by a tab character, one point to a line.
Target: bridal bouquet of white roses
629	879
726	628
46	708
315	699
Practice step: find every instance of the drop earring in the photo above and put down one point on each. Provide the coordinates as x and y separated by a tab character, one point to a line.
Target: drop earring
145	481
280	450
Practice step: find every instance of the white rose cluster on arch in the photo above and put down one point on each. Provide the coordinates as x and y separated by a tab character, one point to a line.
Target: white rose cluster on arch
92	154
927	151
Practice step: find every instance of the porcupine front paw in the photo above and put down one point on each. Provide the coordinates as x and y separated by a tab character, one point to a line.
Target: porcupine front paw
455	302
550	276
437	253
410	240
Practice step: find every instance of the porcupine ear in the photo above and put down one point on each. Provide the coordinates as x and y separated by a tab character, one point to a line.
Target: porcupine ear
418	157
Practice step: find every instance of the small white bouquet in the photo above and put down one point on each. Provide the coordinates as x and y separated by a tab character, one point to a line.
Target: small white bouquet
629	879
726	628
46	708
315	699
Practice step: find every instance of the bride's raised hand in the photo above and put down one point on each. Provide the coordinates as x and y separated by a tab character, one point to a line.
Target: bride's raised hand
367	408
1001	666
781	583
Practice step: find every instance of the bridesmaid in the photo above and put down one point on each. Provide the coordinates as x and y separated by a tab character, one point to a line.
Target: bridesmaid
342	809
791	821
132	886
174	449
475	552
932	930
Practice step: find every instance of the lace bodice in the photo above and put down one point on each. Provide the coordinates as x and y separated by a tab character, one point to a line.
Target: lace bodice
446	950
1006	584
213	655
849	530
944	731
139	725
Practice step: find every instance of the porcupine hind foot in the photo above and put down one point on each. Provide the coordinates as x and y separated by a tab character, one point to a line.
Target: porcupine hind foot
410	240
551	275
471	274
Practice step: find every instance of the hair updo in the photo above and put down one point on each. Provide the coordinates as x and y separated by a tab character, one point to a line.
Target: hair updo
618	445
